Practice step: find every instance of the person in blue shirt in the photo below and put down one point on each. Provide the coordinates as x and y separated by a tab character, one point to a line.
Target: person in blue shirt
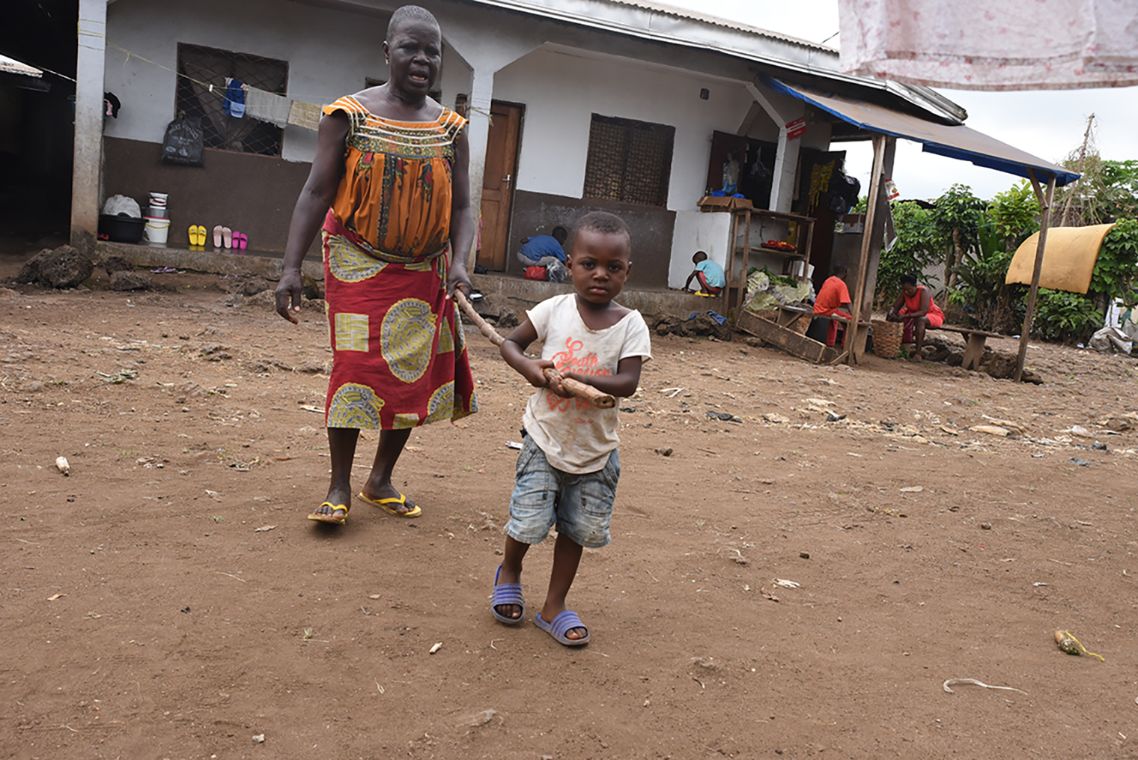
710	275
542	250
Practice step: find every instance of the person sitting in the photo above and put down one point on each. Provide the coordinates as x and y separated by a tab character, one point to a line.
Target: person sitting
915	307
543	250
710	275
834	301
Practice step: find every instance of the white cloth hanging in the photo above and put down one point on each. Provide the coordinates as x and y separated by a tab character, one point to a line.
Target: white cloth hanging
266	106
992	44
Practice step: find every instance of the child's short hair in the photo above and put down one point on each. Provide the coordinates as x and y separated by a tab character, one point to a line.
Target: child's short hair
602	222
699	256
909	279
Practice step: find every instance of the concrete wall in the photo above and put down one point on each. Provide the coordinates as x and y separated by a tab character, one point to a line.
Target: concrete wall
698	231
562	91
651	230
301	35
254	194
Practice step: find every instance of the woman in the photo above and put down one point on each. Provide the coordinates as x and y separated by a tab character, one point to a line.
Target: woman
393	166
916	308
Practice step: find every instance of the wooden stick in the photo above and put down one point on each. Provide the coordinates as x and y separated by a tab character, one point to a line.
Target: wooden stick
1045	203
581	390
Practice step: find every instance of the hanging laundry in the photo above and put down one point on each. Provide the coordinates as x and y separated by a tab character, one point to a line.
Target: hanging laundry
306	115
234	97
267	106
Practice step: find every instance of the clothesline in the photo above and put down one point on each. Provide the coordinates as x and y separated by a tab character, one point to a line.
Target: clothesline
298	113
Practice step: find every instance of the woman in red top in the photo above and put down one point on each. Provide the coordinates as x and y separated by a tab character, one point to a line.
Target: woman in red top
916	309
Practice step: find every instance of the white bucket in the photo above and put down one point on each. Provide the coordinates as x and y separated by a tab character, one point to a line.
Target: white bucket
156	230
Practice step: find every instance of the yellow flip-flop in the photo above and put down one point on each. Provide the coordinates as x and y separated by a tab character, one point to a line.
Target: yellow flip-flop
330	517
391	504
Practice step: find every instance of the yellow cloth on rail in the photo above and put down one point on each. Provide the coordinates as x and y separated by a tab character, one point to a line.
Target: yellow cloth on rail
1068	258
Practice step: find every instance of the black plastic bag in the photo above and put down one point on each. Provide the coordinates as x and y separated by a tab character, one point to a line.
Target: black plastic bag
184	141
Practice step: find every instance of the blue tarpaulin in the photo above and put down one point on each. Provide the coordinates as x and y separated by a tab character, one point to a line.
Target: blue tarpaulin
952	140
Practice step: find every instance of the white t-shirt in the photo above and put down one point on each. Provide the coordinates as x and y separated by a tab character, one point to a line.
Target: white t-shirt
576	436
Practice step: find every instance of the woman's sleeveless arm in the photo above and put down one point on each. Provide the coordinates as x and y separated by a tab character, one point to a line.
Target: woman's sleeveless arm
461	219
311	206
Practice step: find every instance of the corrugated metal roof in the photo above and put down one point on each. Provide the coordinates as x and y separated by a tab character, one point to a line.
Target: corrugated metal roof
726	23
12	66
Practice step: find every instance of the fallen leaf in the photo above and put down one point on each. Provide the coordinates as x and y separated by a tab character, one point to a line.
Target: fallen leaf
913	489
53	597
265	529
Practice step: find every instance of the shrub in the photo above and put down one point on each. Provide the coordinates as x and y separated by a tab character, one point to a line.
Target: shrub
1065	316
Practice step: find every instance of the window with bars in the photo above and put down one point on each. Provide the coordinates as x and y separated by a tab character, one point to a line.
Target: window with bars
629	161
204	65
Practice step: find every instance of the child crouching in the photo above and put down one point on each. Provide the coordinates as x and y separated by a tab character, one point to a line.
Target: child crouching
569	466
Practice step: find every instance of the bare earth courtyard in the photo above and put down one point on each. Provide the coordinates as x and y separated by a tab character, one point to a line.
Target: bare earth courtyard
169	600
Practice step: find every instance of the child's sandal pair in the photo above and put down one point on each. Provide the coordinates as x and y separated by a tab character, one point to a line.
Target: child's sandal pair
511	594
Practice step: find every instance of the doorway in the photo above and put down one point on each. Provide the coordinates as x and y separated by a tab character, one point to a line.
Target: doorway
498	183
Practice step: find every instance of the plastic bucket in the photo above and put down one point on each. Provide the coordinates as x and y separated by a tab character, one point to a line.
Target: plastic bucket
158	199
156	230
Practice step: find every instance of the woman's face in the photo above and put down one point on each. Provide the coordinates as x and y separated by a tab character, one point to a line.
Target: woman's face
909	290
414	54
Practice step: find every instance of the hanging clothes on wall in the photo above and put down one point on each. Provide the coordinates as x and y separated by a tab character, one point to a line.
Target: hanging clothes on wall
992	44
266	106
304	115
235	97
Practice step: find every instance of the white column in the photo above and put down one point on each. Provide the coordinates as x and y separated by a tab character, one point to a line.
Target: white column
88	147
782	109
478	134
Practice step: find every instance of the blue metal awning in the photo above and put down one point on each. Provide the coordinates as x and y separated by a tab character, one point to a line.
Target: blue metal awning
954	141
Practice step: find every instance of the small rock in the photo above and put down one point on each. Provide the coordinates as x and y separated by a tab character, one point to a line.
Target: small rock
991	430
804	555
985	526
126	281
483	718
1080	462
63	465
832	416
664	452
258	738
63	267
113	264
776	419
913	489
1100	446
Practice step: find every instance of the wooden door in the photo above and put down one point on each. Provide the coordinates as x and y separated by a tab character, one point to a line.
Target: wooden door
498	183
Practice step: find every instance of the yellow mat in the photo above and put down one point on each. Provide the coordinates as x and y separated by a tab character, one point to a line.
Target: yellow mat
1068	258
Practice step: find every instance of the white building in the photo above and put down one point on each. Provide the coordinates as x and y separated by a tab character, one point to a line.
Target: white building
613	104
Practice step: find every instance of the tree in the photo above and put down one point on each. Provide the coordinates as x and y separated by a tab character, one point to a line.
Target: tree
957	217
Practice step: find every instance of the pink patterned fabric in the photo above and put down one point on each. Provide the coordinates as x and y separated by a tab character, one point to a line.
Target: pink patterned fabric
993	44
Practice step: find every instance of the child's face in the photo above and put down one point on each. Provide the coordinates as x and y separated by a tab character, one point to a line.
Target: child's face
599	263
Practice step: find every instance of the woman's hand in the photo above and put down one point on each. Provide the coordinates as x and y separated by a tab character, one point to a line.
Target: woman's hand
458	279
288	294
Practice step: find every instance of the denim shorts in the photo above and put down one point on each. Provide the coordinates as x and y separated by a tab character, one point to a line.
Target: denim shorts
580	505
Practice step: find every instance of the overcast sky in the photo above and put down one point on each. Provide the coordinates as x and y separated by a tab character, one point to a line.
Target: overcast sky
1048	124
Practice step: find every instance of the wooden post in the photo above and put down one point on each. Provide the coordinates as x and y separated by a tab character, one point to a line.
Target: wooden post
1045	202
866	240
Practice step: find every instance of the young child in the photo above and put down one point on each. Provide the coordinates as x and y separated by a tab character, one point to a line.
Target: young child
710	275
569	466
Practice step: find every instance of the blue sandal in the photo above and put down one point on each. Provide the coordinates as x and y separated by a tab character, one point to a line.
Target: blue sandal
504	594
565	621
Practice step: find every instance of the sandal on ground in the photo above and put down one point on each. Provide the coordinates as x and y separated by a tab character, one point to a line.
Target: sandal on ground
391	505
565	621
330	517
506	594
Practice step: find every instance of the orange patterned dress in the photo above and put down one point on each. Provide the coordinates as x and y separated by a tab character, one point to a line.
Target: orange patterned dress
399	358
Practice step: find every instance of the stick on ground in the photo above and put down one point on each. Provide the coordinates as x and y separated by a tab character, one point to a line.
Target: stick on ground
581	390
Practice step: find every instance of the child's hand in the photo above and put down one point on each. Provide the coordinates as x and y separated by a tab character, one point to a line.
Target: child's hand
533	370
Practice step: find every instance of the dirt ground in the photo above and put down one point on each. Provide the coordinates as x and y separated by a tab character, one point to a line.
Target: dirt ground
169	600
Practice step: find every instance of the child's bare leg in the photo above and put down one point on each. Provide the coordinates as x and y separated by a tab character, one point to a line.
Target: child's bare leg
512	573
342	447
566	559
378	486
